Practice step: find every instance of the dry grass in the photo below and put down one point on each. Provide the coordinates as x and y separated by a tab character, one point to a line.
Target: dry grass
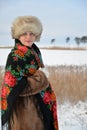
69	82
63	48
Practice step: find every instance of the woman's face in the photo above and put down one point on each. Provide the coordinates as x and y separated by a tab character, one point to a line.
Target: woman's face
27	39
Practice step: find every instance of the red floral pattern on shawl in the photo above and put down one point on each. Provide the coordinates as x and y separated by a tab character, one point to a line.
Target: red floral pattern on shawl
49	99
9	79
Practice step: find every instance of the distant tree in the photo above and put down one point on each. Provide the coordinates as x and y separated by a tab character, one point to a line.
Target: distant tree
84	39
53	40
77	40
67	39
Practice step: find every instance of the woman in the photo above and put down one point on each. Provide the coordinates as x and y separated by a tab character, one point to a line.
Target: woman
27	99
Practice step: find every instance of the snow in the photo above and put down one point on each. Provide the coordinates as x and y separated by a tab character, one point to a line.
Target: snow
71	117
64	57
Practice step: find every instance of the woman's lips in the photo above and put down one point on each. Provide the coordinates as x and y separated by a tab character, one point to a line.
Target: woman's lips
28	41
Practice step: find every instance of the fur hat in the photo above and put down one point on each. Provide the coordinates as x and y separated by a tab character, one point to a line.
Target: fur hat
23	24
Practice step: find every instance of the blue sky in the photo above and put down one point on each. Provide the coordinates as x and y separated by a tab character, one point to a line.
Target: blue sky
60	18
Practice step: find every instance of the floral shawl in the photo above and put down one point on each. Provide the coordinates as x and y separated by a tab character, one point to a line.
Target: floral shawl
22	62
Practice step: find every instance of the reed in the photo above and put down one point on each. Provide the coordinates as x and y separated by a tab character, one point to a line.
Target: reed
68	82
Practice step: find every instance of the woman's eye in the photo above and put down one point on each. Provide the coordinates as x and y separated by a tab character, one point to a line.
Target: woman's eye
32	34
24	34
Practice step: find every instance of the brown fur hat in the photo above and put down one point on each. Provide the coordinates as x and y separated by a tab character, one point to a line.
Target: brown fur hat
23	24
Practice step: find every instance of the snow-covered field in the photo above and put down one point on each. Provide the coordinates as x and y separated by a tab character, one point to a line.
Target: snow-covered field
55	57
71	117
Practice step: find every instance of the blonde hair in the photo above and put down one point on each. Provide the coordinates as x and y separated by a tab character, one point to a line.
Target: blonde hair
23	24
